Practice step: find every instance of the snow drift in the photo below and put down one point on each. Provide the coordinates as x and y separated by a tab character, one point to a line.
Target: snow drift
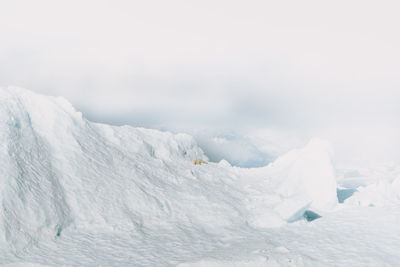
299	180
66	182
381	193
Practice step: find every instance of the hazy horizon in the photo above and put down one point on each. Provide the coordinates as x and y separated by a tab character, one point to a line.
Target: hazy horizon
223	67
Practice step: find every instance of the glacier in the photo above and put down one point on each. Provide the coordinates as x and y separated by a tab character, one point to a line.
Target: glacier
78	193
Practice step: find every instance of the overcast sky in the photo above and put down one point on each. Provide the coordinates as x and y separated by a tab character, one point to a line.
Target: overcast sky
329	68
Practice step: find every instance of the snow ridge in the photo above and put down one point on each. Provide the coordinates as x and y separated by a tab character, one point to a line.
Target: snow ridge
66	181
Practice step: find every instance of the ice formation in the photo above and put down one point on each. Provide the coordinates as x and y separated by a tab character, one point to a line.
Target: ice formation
381	193
75	192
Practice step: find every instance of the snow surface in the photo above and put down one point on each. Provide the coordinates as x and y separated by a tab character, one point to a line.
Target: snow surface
78	193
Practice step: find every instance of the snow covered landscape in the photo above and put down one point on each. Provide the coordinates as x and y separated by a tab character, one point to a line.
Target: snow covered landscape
74	192
211	133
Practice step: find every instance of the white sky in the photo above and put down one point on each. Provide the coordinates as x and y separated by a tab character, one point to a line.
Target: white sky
329	68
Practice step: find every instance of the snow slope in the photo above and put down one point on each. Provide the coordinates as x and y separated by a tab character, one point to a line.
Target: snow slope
78	193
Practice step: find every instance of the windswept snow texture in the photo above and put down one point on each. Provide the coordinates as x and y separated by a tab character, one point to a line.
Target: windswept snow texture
78	193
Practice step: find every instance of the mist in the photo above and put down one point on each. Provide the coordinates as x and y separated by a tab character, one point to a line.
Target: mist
250	80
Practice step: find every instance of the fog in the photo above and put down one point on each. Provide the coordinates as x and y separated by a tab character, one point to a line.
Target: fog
262	76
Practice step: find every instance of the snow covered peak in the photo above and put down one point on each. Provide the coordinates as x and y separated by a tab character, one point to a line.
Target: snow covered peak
35	102
56	120
50	117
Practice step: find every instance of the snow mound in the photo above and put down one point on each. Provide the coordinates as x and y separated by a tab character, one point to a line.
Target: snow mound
300	180
61	173
74	192
379	194
309	175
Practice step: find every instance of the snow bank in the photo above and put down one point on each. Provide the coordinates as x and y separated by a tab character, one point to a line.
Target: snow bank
60	172
66	182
